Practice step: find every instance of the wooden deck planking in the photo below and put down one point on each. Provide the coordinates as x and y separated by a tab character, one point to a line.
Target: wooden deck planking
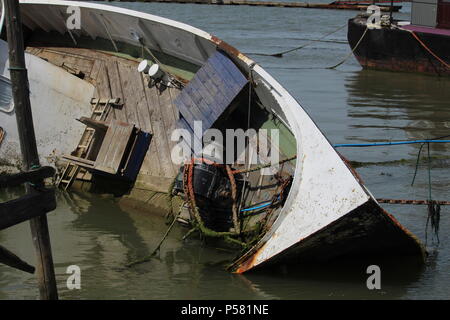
188	109
151	165
136	90
98	64
116	89
168	116
210	111
128	82
103	89
117	77
160	133
201	96
113	148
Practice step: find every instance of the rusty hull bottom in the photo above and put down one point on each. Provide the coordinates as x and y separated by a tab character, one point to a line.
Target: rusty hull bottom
397	50
366	232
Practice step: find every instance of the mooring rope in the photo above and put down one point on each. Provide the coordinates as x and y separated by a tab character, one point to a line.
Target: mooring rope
351	52
280	54
188	179
158	247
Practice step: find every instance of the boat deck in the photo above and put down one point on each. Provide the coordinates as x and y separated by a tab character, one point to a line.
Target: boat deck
115	76
148	108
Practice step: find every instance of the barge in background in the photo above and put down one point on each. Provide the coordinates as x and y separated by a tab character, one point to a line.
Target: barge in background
421	45
313	207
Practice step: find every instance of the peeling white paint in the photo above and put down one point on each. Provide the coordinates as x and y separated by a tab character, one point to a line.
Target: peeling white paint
57	99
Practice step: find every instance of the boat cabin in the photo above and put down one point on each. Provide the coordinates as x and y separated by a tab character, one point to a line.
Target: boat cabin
431	13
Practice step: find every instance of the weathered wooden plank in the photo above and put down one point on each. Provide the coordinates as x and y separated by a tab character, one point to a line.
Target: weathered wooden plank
197	93
160	133
26	207
102	83
188	107
211	111
151	164
141	104
10	259
89	164
207	93
173	94
169	119
116	88
33	176
239	79
212	74
136	107
217	72
214	86
113	147
96	67
97	125
127	80
195	139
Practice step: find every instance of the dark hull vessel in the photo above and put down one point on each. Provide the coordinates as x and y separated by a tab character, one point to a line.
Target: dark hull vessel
421	45
396	48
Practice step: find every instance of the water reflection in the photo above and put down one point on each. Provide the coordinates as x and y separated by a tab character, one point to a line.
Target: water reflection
336	280
410	104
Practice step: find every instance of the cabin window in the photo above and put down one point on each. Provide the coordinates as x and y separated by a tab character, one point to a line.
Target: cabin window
6	101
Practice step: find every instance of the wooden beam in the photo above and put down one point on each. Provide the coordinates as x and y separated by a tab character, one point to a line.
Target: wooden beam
10	259
32	176
30	156
26	207
97	125
85	163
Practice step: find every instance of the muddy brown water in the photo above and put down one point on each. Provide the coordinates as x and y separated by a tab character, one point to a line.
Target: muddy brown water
348	104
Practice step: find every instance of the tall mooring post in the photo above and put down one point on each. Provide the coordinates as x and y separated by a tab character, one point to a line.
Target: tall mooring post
20	90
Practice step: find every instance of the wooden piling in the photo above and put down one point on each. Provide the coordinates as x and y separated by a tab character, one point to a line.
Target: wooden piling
30	157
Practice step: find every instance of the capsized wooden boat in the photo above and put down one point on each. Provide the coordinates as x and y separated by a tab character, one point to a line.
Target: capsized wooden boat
318	209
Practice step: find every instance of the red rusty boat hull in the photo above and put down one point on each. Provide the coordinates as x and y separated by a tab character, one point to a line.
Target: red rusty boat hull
396	49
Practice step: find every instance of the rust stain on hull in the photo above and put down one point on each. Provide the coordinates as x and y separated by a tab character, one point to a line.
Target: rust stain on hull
366	231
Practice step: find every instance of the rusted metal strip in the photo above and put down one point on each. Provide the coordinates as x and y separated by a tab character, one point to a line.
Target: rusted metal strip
414	202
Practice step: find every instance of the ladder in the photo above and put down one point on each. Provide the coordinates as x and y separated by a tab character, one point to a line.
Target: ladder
100	111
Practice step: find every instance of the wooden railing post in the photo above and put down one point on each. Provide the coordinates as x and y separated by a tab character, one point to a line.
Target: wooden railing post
30	157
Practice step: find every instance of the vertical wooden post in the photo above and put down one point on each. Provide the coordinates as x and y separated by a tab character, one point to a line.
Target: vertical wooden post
30	157
391	11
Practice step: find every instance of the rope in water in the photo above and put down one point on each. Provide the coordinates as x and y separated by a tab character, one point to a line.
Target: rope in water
158	247
351	52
